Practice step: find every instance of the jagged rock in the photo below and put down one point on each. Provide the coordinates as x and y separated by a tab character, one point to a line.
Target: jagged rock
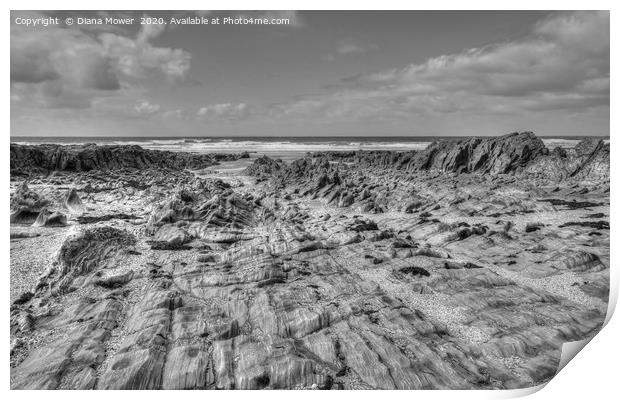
345	200
26	205
264	168
499	155
24	298
588	161
24	215
27	159
50	219
72	201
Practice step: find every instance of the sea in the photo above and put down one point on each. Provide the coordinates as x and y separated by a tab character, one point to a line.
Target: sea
286	148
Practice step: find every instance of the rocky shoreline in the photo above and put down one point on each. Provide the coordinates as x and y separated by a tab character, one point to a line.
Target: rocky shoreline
463	266
39	159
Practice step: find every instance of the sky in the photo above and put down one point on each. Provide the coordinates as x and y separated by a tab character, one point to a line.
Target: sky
324	73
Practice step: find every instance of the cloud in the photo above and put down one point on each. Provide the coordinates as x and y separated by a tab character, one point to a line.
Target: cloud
148	32
558	70
349	47
562	64
224	111
60	54
138	59
146	108
354	47
177	114
69	67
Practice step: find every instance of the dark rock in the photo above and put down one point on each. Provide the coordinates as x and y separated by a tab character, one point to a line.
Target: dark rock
595	215
23	298
24	215
497	155
264	168
533	226
588	224
27	159
460	265
572	204
72	201
163	245
415	271
50	219
362	225
26	205
92	219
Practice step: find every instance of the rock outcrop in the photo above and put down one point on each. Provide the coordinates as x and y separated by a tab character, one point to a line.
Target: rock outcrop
264	168
498	155
589	160
492	155
83	253
47	218
516	153
72	201
341	179
26	205
27	159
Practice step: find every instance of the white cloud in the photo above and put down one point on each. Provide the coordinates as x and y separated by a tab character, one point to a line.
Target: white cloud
562	64
146	108
65	67
561	67
224	111
136	58
349	47
177	114
354	47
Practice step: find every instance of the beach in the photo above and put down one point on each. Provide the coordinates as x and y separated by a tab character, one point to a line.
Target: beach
460	264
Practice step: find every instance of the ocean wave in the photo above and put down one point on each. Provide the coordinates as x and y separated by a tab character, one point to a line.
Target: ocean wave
169	142
272	147
229	146
559	142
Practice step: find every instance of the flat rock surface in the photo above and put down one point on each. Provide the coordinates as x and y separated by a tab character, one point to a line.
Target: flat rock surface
334	272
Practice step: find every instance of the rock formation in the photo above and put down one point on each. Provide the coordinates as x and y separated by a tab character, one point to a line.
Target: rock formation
463	266
44	158
72	201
